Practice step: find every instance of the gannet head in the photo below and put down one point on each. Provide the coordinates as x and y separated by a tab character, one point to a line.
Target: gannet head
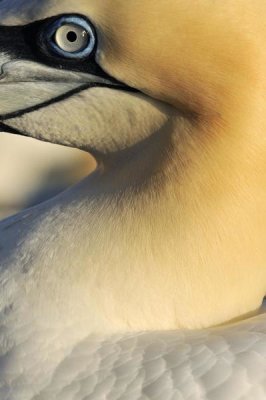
84	72
64	92
106	75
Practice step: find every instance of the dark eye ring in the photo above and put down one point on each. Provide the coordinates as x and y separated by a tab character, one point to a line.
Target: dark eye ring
69	36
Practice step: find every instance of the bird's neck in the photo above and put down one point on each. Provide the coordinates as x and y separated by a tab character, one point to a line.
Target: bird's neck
134	246
138	245
116	238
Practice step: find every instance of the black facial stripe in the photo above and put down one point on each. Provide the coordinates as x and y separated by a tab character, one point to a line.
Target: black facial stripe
64	96
54	100
23	42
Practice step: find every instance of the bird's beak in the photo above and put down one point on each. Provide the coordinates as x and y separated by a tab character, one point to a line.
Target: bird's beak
26	86
52	98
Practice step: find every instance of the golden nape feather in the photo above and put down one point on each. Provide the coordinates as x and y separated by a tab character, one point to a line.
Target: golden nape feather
169	232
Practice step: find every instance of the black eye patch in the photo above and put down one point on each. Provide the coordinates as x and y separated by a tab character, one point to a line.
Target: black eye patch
27	43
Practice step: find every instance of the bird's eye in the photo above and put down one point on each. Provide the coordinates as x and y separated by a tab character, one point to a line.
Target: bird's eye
70	37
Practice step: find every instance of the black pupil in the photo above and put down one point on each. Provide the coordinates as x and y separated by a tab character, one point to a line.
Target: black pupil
72	36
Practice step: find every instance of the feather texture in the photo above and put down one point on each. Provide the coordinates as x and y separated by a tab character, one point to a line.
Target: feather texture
216	364
169	232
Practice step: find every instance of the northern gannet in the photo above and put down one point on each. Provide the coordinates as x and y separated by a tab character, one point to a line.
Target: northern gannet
168	232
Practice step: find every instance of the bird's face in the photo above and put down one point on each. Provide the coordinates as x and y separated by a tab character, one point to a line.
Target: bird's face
56	86
104	74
